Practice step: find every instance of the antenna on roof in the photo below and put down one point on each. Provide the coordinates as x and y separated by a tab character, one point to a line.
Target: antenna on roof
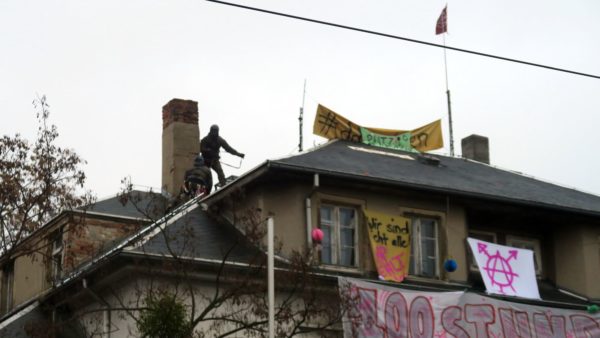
301	118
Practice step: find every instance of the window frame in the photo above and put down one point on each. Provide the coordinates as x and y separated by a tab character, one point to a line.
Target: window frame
416	250
471	259
537	249
336	245
56	254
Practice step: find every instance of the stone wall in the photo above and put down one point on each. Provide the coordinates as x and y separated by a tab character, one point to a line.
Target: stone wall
84	240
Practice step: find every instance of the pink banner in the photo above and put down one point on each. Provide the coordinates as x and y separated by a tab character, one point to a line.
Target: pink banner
389	312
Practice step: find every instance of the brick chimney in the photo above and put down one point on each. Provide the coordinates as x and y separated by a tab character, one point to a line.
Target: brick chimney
180	142
477	148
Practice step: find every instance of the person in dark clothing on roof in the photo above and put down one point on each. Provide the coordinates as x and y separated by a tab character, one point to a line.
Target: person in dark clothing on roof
210	146
198	180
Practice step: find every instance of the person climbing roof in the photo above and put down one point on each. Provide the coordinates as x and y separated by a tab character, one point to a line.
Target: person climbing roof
198	180
210	146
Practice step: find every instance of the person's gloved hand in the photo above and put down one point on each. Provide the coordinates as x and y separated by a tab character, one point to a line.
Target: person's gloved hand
242	155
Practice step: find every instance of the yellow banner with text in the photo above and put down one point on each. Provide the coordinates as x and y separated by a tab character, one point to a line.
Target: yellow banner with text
331	125
390	242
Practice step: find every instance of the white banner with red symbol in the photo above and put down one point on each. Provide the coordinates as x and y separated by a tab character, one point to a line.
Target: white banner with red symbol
505	270
382	311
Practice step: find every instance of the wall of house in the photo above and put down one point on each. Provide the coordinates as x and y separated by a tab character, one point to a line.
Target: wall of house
456	233
130	292
570	253
84	240
288	205
577	255
288	209
30	277
591	262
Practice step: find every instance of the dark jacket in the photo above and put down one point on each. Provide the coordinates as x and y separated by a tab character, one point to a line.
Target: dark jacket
200	175
210	146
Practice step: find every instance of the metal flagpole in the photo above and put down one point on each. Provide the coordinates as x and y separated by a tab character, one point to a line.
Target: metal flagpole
301	118
271	277
448	94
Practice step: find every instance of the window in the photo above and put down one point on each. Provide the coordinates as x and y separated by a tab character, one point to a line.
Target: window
424	247
57	255
486	236
531	244
7	286
339	225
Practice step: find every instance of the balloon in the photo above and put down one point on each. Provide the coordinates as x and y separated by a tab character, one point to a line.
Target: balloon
450	265
317	235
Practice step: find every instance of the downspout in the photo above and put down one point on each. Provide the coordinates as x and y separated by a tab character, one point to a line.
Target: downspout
309	210
106	313
308	221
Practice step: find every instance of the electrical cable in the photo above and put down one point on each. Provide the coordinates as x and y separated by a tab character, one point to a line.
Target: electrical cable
405	39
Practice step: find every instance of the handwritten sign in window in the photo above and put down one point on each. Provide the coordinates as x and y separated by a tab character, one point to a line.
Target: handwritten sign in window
390	241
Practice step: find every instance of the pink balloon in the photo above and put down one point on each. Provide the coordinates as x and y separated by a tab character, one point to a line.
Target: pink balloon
317	235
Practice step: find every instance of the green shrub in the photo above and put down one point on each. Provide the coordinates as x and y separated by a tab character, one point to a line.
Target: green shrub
164	317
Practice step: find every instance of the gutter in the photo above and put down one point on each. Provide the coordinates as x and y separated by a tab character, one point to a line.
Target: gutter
19	314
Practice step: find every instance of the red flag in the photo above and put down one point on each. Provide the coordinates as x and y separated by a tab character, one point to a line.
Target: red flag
442	22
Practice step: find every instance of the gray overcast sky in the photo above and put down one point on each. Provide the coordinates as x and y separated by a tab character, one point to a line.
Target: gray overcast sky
108	67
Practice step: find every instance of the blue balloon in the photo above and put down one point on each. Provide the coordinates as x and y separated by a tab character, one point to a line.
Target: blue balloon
450	265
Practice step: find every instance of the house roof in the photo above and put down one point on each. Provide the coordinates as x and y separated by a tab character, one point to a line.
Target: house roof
186	230
452	175
138	204
196	235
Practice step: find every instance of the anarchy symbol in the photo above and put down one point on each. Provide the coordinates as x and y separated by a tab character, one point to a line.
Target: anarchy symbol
498	268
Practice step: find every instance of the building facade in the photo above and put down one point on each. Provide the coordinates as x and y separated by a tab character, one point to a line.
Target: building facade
86	259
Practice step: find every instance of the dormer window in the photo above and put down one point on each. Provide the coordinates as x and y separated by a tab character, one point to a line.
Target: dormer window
57	255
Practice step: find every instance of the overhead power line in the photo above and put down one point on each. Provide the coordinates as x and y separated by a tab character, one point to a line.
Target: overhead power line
405	39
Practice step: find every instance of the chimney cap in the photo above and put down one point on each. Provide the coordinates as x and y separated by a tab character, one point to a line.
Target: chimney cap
178	110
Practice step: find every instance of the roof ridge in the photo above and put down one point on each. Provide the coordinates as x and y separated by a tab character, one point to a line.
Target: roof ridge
108	197
315	148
